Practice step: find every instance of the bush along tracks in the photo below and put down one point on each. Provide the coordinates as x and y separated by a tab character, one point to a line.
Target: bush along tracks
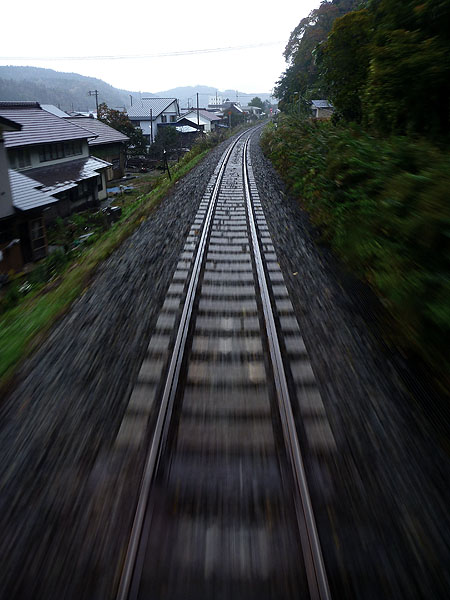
381	204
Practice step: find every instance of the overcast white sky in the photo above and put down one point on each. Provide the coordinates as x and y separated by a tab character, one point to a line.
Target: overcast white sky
52	28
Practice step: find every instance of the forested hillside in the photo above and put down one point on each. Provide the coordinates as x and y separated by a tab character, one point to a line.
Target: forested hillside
375	178
69	91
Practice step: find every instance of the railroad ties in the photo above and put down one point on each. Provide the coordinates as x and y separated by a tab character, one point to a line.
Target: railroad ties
224	510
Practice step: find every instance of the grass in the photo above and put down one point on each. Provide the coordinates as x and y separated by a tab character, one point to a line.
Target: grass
23	328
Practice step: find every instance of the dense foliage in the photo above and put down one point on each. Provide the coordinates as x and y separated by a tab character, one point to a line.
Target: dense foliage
376	178
383	206
302	75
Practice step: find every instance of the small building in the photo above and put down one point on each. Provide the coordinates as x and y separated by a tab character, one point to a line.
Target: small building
232	107
215	101
106	143
321	109
55	153
208	119
253	111
149	113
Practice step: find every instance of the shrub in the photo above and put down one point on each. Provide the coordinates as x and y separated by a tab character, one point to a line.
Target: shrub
383	206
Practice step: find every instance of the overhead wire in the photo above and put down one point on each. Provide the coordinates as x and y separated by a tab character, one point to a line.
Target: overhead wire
140	56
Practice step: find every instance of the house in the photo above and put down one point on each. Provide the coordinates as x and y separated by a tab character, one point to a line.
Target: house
106	143
149	113
22	227
54	152
229	107
208	119
321	109
254	111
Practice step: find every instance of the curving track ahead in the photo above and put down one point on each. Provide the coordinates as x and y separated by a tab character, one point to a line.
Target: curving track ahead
224	509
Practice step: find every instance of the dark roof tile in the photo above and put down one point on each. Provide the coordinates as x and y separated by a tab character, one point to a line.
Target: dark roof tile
105	134
27	193
38	126
66	175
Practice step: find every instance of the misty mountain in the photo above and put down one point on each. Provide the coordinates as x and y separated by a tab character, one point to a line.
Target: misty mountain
69	91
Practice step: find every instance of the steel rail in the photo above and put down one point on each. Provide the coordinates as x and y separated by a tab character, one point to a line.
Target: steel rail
167	401
315	568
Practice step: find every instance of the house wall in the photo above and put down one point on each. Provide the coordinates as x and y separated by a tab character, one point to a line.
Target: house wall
6	205
113	153
192	116
324	113
144	124
32	159
101	185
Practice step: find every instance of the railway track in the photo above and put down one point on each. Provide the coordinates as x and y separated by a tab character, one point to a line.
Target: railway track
224	509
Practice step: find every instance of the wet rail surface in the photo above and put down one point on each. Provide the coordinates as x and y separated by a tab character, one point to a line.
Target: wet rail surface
224	510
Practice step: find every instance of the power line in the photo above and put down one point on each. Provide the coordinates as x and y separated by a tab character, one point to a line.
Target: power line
139	56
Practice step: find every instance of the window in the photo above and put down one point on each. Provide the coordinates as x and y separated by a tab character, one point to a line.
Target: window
163	118
61	150
19	158
173	118
38	240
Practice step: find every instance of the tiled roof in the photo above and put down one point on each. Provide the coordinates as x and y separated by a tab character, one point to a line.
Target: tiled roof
142	108
66	175
27	193
38	126
186	129
105	134
203	113
321	104
8	125
51	108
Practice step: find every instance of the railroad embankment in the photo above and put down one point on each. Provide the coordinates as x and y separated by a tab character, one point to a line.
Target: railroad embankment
382	205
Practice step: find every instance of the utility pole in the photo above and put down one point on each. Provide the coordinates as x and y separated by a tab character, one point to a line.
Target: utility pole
151	126
198	114
94	93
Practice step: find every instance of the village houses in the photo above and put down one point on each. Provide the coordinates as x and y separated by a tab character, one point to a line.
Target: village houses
46	171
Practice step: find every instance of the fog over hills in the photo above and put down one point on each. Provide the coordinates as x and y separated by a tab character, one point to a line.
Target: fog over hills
69	91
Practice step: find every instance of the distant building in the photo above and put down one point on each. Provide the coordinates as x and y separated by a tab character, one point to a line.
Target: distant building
215	101
233	107
149	113
321	109
255	111
208	119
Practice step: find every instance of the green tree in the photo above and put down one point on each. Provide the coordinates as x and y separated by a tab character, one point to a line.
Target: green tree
119	120
167	139
343	61
256	101
408	88
302	75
